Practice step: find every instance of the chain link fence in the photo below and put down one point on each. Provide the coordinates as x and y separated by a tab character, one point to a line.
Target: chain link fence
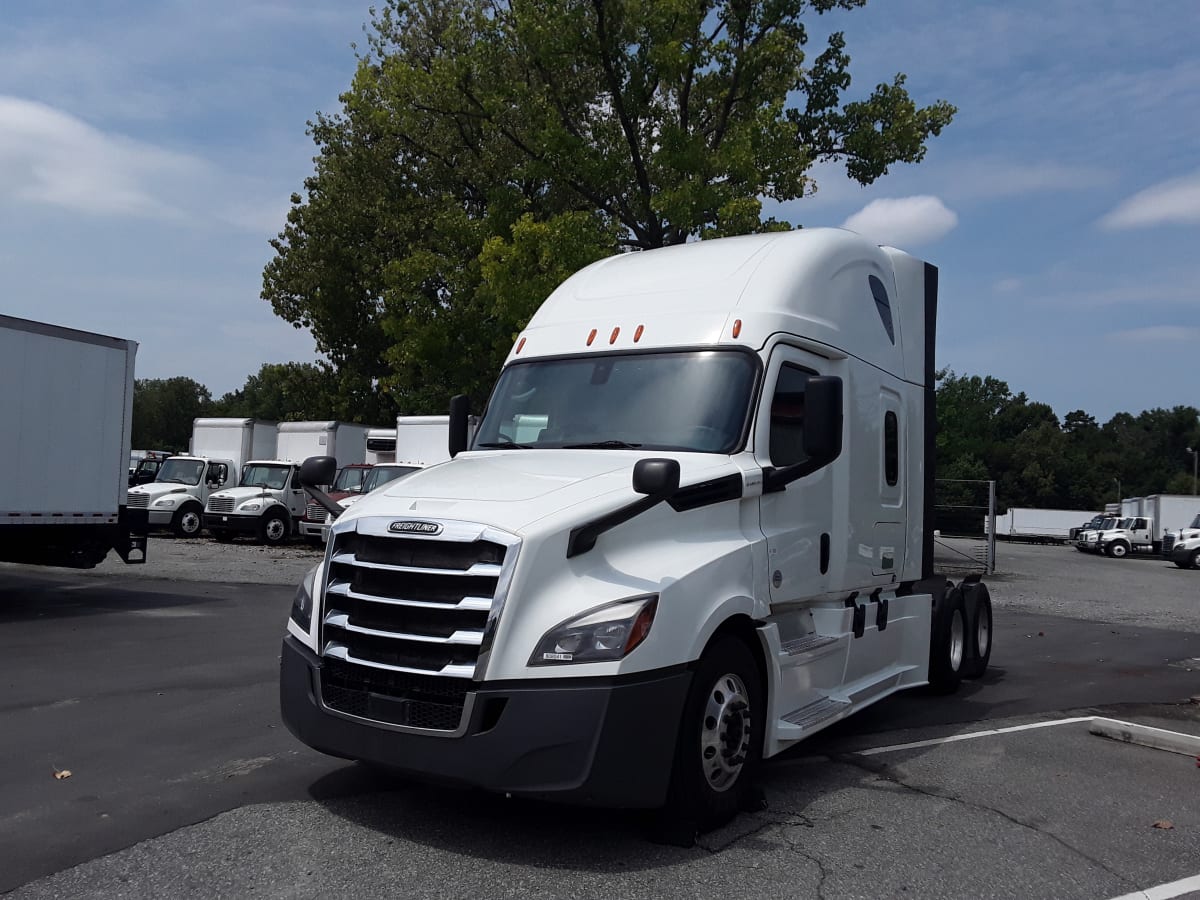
964	521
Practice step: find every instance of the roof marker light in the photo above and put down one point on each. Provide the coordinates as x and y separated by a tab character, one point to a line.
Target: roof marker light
612	338
737	327
591	337
637	335
521	345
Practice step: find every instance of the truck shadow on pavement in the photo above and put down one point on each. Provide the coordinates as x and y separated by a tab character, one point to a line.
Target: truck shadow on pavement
24	599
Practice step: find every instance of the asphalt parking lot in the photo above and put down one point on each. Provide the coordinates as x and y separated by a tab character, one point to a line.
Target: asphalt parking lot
159	696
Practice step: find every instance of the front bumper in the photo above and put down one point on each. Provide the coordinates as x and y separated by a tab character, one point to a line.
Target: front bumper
231	522
314	529
161	518
1180	554
606	744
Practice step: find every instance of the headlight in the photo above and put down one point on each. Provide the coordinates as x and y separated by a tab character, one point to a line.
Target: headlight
610	632
251	507
166	502
302	603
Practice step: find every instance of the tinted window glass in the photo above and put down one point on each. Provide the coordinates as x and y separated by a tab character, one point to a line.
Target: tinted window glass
787	416
883	306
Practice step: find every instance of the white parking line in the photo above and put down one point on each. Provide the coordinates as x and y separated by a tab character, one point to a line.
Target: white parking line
971	736
1165	891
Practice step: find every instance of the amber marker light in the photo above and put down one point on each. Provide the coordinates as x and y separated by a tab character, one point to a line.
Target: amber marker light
591	337
612	338
737	327
637	335
521	345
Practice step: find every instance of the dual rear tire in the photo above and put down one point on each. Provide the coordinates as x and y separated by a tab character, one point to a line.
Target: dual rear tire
960	645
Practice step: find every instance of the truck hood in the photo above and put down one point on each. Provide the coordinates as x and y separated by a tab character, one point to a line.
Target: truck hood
512	489
241	494
156	489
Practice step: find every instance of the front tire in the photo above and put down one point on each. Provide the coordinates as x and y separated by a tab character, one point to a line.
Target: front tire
274	528
1118	550
720	738
187	522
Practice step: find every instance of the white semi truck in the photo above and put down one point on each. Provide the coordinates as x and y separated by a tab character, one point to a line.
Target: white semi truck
218	450
716	542
1039	525
268	502
59	506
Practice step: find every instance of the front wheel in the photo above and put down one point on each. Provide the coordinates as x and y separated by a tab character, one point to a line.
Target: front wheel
274	528
1193	561
186	522
720	737
1118	550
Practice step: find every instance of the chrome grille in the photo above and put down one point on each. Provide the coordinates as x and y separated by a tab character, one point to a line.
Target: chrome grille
1168	543
138	501
220	504
406	619
315	512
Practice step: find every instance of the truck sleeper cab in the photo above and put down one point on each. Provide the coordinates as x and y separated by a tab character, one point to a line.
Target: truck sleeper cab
690	531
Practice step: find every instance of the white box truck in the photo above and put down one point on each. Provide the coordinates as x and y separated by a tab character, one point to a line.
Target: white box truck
219	448
381	446
1144	532
60	506
268	502
422	440
716	542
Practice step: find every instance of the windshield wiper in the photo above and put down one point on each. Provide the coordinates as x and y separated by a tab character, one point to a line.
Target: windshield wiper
505	445
602	445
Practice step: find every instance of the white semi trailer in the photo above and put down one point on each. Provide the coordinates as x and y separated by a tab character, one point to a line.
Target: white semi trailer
60	506
715	542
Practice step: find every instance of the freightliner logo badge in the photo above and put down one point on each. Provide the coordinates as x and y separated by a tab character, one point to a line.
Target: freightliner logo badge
415	528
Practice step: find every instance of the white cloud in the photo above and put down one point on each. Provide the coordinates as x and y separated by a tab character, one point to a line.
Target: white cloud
52	158
1156	334
1172	202
1007	285
903	221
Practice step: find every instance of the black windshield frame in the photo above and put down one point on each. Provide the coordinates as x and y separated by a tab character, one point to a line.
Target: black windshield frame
740	422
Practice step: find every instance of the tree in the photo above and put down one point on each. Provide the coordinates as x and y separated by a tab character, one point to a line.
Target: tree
285	392
163	410
481	133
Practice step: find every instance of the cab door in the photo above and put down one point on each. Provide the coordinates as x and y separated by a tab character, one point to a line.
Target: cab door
797	520
295	495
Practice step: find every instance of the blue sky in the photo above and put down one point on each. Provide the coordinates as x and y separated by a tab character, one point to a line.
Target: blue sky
148	149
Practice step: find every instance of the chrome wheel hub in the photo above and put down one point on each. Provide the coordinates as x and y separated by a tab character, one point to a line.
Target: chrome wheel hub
725	732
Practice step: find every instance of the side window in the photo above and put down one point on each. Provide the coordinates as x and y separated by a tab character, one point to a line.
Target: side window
787	416
891	448
295	485
883	306
217	473
1141	523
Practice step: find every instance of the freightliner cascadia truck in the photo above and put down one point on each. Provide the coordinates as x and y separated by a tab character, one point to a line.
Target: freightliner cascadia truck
692	528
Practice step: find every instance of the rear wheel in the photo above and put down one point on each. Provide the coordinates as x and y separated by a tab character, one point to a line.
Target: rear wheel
186	522
720	737
977	604
948	642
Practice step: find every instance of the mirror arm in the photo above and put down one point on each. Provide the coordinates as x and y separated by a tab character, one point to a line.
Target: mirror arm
777	479
331	506
583	538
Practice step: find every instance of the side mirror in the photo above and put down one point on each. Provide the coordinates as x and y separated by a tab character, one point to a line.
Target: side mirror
823	418
657	478
459	415
318	470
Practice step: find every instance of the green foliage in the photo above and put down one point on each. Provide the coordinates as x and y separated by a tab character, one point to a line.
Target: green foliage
486	149
284	392
163	409
986	432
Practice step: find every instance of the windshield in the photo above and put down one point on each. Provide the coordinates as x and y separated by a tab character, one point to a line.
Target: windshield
350	480
1124	523
1107	524
381	475
697	400
273	477
181	471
